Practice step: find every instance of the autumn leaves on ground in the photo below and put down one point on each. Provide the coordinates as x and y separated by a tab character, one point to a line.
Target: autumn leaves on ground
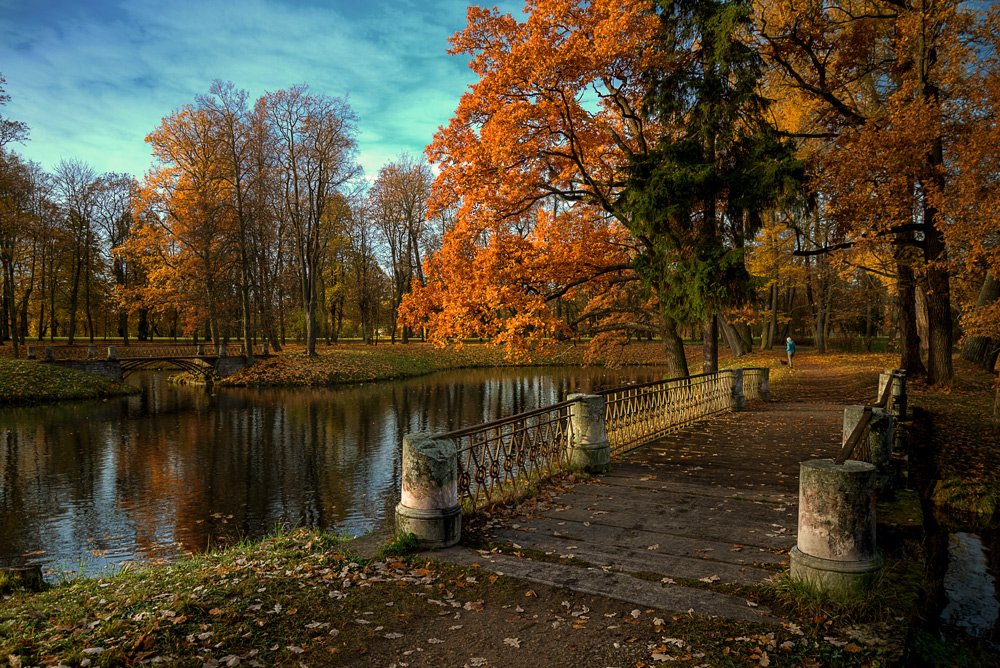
307	598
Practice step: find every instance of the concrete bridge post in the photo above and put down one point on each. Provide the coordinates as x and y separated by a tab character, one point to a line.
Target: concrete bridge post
428	506
897	396
200	350
879	439
835	551
91	352
112	353
31	353
765	384
739	395
589	448
49	355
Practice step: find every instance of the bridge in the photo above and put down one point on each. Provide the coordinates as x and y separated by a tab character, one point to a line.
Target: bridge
209	361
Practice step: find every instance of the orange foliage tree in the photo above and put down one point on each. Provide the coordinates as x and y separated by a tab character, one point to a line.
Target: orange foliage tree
532	165
878	91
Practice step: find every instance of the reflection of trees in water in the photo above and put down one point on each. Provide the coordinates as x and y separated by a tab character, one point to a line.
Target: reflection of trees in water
181	466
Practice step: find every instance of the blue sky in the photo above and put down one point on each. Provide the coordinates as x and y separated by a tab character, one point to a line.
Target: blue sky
92	78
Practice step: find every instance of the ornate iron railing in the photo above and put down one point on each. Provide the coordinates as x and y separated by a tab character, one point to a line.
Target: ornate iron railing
753	383
136	351
637	414
499	459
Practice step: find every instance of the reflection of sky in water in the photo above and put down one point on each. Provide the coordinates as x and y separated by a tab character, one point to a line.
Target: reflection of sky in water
87	486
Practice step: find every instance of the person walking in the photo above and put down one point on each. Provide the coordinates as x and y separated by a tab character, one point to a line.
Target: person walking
790	350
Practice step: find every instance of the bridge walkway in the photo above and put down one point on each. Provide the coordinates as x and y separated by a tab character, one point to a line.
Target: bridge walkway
714	504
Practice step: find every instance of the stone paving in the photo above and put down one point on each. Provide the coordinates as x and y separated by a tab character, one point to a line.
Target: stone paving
716	502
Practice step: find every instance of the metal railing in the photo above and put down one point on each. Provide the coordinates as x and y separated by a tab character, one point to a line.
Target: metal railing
857	446
499	459
136	351
637	414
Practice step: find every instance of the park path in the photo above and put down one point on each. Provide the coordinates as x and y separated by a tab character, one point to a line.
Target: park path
715	503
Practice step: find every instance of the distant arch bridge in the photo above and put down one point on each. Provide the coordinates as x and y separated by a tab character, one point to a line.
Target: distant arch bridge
206	360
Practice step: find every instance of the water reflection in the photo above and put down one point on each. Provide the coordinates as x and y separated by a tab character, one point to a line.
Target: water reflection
86	486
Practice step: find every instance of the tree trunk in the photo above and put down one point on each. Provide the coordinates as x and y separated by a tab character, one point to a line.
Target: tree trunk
909	339
771	326
983	350
677	365
710	349
734	337
940	368
923	324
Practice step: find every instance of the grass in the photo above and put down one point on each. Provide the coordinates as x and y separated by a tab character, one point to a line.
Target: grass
30	381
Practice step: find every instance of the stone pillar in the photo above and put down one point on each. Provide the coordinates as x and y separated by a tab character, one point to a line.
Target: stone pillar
31	354
112	353
878	441
589	449
222	350
91	352
836	551
765	384
739	396
428	506
897	396
200	350
49	356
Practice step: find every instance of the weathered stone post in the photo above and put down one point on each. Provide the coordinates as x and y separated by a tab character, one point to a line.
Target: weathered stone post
878	440
428	506
112	353
200	350
91	352
739	396
49	355
222	350
31	354
765	384
589	449
836	551
897	396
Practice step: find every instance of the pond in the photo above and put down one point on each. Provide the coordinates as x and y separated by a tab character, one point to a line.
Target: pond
88	486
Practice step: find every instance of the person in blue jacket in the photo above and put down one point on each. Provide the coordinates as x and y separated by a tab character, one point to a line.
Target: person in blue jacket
790	350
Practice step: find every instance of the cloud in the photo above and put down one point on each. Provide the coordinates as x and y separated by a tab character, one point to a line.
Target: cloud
92	79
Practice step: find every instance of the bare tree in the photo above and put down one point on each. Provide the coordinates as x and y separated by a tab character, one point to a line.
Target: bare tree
315	154
77	186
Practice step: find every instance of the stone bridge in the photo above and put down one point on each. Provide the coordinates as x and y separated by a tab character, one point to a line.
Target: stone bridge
209	361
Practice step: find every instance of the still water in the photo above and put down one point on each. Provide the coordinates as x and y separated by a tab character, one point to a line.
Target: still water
85	487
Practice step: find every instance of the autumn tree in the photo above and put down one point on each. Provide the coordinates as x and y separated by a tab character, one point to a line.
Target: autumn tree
882	86
315	145
15	193
532	164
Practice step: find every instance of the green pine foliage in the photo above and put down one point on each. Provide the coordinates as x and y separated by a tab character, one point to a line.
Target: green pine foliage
700	194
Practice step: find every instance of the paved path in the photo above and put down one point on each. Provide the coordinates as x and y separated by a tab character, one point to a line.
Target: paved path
715	503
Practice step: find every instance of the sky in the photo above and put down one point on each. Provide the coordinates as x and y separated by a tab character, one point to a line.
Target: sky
92	78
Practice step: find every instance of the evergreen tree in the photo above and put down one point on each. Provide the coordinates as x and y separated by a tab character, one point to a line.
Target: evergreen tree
700	193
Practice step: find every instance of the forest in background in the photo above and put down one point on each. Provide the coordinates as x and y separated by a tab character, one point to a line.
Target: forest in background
624	170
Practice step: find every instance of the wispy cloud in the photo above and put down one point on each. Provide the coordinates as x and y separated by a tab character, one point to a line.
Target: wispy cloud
92	79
